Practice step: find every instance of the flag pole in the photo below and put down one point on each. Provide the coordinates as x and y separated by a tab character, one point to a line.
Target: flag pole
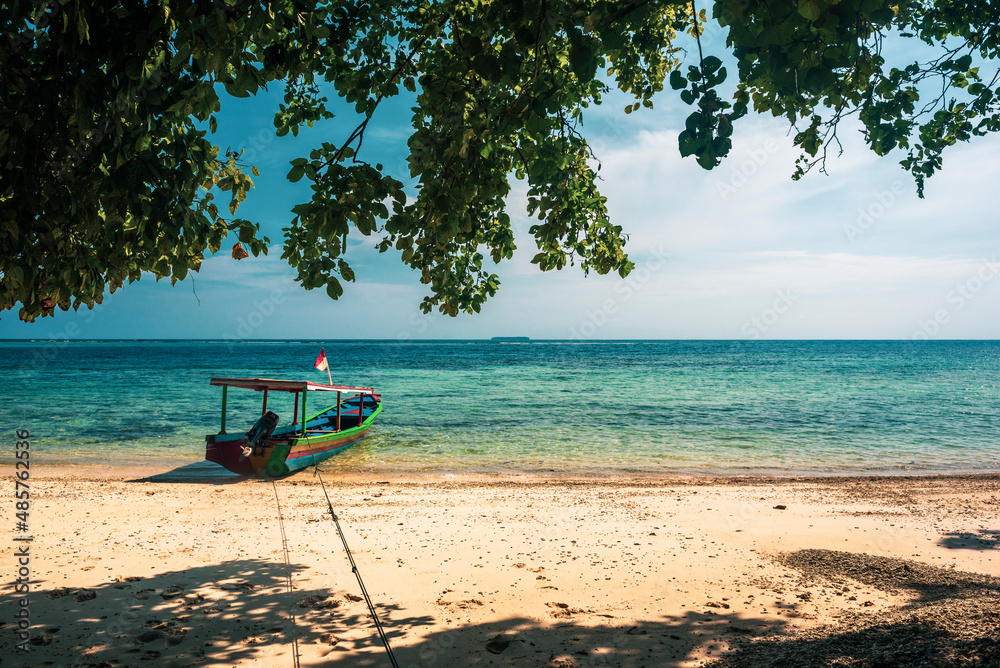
323	363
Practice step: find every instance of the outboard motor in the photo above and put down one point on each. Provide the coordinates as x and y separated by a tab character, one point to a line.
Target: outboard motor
260	432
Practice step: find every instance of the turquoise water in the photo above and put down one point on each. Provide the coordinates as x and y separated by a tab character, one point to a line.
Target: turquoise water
534	408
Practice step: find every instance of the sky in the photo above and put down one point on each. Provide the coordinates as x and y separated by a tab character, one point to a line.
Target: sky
739	252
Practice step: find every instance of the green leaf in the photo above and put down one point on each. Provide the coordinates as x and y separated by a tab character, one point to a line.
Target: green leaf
711	64
120	161
809	10
83	28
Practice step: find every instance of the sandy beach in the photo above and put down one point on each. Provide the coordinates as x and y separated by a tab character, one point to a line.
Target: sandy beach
509	572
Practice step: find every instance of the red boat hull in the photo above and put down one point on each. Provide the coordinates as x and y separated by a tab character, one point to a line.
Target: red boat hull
289	452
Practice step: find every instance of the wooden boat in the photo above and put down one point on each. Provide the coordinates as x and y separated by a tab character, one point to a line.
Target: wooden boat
272	451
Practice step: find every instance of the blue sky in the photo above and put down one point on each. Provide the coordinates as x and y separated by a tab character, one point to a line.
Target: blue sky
740	252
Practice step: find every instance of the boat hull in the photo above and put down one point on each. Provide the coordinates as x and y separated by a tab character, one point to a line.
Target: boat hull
281	458
285	453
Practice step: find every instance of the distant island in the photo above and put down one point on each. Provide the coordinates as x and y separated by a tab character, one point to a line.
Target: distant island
511	339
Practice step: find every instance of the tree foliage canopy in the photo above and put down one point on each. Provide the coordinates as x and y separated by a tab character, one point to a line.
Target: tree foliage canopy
107	110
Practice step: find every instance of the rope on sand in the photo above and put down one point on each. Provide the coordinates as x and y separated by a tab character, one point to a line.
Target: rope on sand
288	577
357	574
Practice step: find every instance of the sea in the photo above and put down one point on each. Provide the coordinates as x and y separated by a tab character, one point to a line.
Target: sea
537	408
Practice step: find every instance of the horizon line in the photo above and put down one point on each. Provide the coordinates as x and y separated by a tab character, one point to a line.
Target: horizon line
503	339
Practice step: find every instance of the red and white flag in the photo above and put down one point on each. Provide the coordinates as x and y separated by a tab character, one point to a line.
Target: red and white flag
321	361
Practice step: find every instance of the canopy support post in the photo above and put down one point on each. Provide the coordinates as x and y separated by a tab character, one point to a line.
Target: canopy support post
264	408
305	415
295	409
338	411
224	389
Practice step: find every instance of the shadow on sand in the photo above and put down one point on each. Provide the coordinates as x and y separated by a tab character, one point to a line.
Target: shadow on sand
952	619
225	613
202	472
926	584
241	611
982	540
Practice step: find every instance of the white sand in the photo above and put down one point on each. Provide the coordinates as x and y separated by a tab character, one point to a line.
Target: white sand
554	572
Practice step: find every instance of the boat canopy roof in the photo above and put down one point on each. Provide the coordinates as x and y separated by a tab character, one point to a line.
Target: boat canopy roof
260	384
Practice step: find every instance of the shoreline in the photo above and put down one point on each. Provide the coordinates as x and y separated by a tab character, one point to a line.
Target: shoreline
207	471
555	573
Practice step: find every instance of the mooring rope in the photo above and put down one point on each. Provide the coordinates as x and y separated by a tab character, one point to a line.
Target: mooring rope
357	574
288	577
